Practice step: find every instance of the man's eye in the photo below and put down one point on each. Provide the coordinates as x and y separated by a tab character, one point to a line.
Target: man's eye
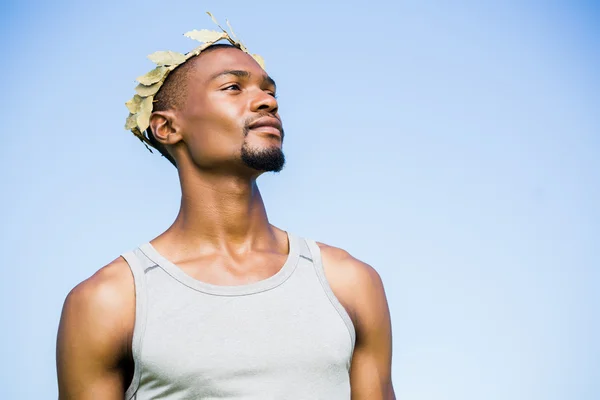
273	94
235	86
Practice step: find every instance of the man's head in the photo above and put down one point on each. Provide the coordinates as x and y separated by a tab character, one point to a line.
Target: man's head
218	111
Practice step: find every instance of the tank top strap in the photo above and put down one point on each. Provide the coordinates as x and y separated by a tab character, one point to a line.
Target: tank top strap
139	265
315	255
304	250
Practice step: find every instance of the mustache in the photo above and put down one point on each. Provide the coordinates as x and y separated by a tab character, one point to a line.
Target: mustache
250	120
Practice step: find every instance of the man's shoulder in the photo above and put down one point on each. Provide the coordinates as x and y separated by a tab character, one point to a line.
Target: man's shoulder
109	286
95	331
340	261
104	302
356	284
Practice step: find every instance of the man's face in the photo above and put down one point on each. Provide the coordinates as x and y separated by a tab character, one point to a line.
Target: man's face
230	119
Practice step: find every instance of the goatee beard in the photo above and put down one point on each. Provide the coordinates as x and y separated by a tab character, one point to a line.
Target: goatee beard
266	160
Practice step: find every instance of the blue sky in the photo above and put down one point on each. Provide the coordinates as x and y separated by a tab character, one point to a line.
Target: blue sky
454	147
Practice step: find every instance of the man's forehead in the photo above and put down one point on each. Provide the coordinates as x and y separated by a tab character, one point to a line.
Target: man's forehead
218	61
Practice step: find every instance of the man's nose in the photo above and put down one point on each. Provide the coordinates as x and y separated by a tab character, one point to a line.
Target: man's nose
263	101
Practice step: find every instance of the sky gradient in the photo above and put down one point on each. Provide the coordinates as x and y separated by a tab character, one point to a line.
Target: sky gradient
455	148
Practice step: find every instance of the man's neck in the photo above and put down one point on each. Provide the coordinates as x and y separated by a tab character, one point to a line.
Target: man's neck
220	211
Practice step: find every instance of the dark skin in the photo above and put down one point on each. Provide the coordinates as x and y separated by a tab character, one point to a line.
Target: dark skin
221	236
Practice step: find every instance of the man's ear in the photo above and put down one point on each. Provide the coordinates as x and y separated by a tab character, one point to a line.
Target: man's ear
164	128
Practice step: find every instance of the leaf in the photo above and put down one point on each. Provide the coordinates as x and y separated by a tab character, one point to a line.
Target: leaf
215	21
213	18
136	131
167	58
259	60
143	121
145	91
133	105
146	104
233	42
204	35
231	29
198	50
131	122
143	117
156	75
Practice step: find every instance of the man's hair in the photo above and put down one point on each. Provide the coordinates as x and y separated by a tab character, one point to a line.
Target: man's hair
172	94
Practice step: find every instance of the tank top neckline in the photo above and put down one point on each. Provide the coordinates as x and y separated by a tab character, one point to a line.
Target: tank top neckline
223	290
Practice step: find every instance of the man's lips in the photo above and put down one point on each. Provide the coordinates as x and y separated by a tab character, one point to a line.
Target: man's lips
267	125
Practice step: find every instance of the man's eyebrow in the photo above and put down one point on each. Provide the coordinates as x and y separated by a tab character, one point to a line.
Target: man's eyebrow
236	72
270	81
242	74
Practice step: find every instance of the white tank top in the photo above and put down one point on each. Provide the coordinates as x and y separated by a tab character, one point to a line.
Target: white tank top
285	337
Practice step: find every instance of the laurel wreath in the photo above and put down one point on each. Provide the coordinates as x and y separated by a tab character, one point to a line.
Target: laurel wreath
140	106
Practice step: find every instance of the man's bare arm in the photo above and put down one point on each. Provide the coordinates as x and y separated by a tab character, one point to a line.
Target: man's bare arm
93	334
359	288
370	375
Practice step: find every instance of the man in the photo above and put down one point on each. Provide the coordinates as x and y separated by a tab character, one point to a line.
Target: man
223	304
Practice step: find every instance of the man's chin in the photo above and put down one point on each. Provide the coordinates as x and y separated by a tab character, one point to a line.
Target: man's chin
268	159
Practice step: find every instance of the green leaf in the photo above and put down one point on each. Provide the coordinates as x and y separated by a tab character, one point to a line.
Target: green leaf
133	105
143	117
215	21
204	35
145	91
197	50
162	58
131	122
213	18
156	75
231	29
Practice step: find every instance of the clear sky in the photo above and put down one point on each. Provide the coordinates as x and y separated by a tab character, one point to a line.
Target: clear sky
454	147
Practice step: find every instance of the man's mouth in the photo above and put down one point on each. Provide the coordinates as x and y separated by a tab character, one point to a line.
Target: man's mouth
268	125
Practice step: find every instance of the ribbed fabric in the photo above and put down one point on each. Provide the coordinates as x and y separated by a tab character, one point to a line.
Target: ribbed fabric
285	337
